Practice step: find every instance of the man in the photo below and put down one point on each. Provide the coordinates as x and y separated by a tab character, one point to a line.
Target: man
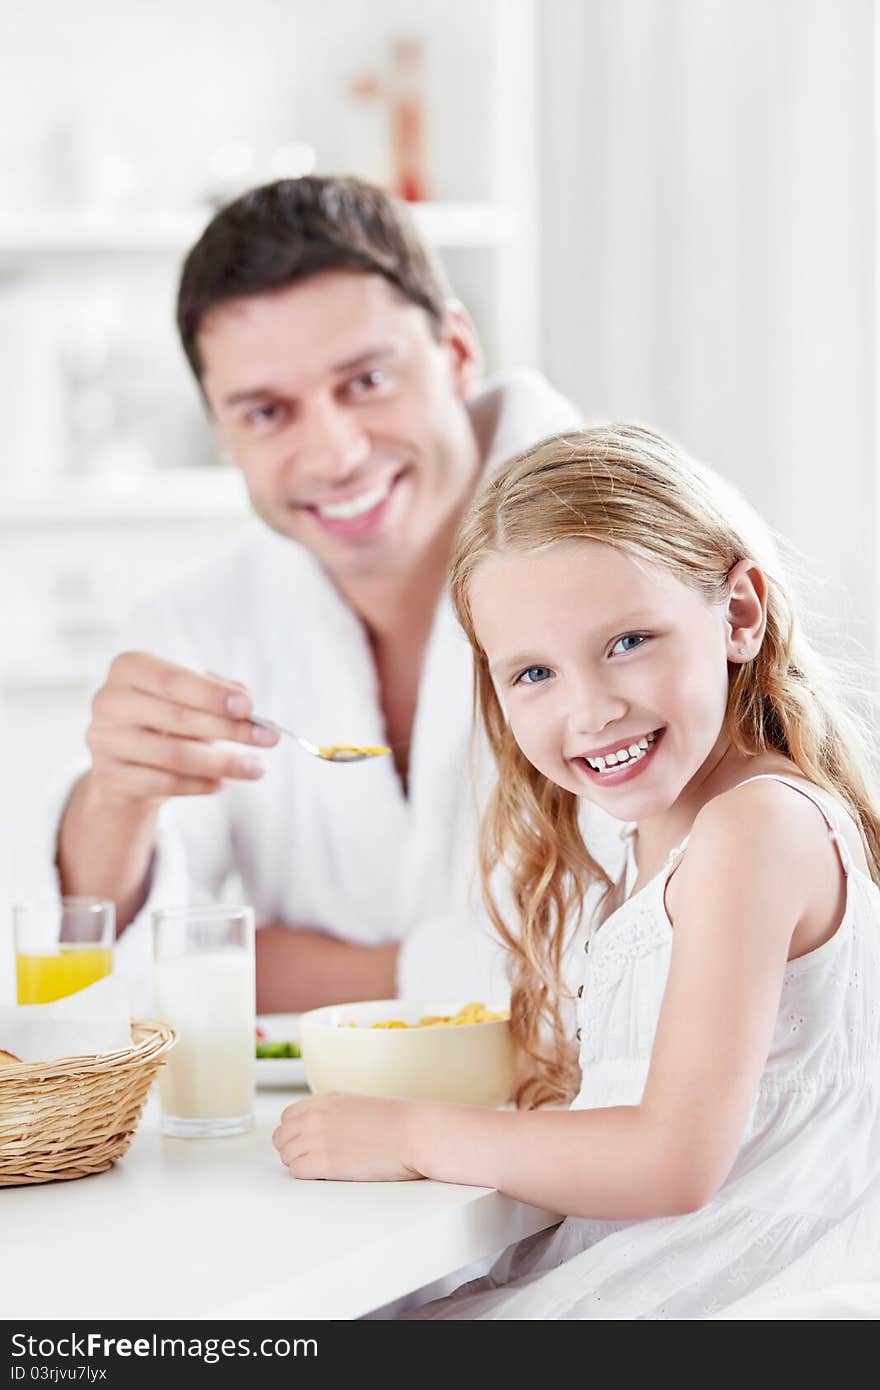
342	381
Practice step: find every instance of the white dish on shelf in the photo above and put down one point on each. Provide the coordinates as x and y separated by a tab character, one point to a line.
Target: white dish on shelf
280	1073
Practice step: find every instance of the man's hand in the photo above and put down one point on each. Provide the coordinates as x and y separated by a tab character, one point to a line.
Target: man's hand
349	1138
152	736
153	730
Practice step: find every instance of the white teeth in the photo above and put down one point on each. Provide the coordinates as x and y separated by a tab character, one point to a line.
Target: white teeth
630	754
355	506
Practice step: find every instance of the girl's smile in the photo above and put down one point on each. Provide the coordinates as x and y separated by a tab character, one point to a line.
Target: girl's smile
611	766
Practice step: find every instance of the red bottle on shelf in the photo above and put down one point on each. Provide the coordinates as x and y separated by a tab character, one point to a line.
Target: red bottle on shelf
408	121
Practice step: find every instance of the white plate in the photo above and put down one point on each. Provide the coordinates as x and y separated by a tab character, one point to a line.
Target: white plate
280	1073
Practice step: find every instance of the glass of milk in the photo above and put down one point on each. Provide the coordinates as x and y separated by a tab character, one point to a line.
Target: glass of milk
203	971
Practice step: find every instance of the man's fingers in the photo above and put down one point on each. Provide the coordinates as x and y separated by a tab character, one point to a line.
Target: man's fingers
179	686
228	680
185	757
158	730
136	709
151	784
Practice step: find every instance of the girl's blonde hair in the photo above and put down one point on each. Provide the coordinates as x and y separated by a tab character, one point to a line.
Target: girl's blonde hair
627	487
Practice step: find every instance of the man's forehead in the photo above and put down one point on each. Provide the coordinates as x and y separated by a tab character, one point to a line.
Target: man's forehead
341	301
318	326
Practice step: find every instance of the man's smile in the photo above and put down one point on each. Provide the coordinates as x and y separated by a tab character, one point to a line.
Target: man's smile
358	504
360	513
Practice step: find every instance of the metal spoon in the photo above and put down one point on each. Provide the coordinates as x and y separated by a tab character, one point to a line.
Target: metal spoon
331	753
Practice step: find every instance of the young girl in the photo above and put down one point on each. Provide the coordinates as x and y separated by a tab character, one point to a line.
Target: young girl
724	1136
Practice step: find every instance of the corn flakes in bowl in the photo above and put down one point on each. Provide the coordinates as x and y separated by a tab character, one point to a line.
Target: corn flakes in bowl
411	1050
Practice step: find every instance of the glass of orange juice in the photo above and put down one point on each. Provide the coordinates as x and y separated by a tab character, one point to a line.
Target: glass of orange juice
62	947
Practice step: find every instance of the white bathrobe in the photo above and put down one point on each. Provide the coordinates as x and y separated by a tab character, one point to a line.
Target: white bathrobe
334	847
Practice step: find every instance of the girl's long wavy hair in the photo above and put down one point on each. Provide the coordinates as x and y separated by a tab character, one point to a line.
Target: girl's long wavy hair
630	488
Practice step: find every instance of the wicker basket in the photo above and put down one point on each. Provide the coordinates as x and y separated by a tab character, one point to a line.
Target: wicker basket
76	1115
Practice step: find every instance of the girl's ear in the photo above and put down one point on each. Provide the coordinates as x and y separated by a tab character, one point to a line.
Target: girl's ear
746	611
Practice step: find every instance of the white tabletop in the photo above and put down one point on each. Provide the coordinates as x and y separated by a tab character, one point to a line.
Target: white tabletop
195	1228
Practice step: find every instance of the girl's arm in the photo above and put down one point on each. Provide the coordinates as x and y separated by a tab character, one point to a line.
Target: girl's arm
752	865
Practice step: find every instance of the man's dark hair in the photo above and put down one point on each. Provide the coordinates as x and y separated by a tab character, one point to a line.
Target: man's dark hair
283	232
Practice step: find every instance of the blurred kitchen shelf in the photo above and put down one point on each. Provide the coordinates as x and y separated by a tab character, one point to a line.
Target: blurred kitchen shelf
206	493
65	233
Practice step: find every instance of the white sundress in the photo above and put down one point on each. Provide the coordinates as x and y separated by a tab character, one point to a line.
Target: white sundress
800	1209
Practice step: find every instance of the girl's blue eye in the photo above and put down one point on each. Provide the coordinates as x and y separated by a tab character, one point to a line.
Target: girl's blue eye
533	675
628	643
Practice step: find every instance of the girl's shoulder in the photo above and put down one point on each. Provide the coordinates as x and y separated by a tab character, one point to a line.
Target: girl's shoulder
778	819
755	854
776	850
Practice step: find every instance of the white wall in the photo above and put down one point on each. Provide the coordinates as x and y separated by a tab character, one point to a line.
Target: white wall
708	249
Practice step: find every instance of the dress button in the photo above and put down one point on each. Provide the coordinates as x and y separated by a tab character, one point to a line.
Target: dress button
578	1035
580	991
587	946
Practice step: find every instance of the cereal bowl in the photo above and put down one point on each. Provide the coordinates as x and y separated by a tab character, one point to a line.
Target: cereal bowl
468	1063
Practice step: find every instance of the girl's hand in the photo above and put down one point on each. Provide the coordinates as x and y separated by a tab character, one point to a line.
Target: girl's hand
348	1138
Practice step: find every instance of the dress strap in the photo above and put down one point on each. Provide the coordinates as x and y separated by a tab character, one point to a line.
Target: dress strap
673	857
811	794
676	852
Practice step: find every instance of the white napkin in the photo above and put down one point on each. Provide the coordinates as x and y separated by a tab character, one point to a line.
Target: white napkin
94	1020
